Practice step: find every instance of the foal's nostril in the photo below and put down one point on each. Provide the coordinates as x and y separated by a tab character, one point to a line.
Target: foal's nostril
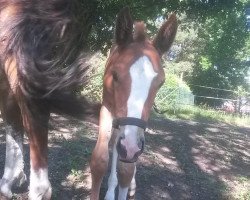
141	145
121	149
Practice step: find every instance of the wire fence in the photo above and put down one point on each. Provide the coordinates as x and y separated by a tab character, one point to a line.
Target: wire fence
179	98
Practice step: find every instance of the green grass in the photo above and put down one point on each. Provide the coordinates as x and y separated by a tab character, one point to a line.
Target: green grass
206	114
241	191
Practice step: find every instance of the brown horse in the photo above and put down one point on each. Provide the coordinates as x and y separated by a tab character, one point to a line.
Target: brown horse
40	64
132	77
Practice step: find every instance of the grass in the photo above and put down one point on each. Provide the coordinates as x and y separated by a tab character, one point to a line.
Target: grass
206	114
241	190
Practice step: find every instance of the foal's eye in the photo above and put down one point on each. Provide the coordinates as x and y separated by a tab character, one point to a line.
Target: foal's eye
115	76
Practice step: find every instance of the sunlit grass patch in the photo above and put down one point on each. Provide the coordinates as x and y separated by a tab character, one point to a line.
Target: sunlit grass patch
241	189
206	114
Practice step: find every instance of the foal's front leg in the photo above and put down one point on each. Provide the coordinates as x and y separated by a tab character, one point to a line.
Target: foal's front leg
126	178
35	122
100	156
112	181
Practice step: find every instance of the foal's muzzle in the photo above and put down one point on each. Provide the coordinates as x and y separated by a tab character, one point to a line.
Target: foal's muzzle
127	152
122	151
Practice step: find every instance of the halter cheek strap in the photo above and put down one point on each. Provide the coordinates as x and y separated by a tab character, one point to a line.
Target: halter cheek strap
122	121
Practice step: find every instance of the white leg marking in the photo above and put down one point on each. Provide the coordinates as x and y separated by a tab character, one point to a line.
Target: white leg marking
112	182
132	187
13	170
122	193
40	187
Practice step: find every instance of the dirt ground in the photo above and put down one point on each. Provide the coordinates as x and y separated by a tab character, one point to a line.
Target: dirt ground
182	160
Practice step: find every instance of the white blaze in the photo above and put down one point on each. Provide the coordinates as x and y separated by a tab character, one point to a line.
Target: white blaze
142	74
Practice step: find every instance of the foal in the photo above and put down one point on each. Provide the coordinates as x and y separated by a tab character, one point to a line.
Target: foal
132	77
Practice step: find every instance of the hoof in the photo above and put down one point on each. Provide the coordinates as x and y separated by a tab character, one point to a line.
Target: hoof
5	188
109	196
131	197
42	192
21	179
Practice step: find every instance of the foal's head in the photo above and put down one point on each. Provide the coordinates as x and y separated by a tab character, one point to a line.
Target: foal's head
132	77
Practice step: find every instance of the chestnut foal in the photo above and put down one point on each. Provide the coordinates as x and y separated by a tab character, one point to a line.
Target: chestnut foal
132	77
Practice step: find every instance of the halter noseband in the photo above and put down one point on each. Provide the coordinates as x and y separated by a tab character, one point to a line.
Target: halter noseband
122	121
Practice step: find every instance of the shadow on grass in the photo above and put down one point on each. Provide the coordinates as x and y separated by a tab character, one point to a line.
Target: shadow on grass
68	158
182	159
193	160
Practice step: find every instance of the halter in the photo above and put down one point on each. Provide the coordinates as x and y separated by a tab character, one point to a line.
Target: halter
122	121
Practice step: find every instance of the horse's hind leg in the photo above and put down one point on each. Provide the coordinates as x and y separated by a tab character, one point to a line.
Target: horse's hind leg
35	114
14	165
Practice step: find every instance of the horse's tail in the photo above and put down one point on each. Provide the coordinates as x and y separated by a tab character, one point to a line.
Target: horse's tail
45	39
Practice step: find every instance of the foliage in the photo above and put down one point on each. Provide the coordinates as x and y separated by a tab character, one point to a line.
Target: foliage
172	93
99	15
221	63
93	90
211	46
181	58
212	50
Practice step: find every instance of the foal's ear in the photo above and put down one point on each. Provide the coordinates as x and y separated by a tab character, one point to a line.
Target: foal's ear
124	27
166	35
